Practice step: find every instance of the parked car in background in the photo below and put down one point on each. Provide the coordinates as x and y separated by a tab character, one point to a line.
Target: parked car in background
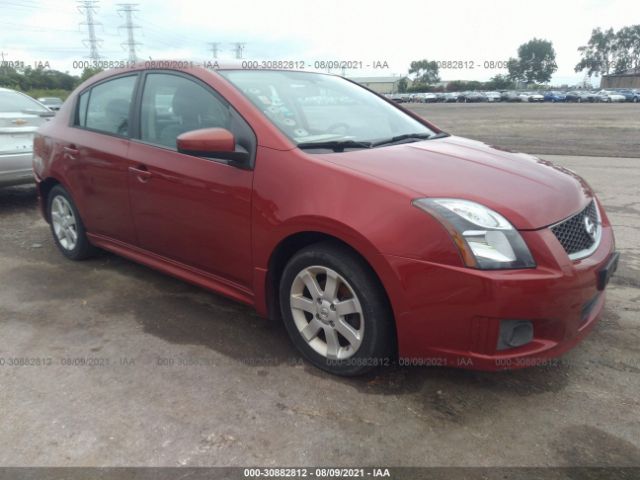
555	96
629	94
468	97
427	97
52	103
579	96
610	96
493	96
511	96
371	233
20	117
449	97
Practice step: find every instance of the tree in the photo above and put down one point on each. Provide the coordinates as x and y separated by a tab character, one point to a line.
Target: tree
402	85
536	62
426	72
599	54
499	82
627	49
88	73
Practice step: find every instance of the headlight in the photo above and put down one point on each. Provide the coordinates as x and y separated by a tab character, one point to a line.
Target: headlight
485	238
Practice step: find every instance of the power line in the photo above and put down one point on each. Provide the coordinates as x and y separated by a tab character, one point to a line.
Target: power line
88	7
128	9
238	48
214	49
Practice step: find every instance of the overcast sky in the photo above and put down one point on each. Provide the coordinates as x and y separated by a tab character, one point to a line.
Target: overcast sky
367	31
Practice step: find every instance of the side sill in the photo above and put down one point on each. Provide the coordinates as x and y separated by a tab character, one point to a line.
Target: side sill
179	270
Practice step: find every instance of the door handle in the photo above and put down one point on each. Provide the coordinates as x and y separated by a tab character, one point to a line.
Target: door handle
142	174
70	152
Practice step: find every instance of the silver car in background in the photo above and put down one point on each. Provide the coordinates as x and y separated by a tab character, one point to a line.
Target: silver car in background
52	103
20	117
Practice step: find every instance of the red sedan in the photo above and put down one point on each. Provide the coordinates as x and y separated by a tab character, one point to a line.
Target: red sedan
371	233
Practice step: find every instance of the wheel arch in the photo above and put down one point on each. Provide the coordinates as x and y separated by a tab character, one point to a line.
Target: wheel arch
44	188
288	246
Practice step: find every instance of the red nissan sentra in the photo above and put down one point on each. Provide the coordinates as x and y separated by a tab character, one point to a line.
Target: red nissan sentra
373	234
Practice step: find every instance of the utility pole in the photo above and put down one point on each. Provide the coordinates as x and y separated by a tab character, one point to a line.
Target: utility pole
239	48
128	9
88	8
214	49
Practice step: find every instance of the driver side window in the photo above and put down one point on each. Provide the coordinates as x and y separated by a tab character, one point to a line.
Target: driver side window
172	105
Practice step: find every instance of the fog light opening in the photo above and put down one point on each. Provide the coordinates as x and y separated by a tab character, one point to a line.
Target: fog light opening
514	333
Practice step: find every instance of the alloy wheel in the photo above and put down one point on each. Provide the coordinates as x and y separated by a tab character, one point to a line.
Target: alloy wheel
64	223
327	312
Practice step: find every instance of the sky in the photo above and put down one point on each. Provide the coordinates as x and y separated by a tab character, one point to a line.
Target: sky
370	32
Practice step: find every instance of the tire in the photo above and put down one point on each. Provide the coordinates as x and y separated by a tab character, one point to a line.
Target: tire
579	100
67	228
367	323
635	99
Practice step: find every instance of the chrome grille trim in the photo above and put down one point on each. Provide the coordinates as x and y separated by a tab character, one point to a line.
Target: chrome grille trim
572	235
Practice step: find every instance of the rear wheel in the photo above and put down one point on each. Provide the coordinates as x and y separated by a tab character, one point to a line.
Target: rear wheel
67	227
335	310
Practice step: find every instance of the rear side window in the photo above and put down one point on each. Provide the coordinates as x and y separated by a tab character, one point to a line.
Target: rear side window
108	106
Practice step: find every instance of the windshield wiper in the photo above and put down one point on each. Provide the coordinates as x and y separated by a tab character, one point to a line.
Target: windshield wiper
335	145
410	136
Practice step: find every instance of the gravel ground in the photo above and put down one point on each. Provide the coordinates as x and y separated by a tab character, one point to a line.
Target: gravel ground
608	130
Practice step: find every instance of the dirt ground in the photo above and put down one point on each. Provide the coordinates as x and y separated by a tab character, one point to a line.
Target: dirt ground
608	130
127	366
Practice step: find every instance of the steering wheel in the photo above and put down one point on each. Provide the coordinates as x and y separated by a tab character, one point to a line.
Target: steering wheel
339	128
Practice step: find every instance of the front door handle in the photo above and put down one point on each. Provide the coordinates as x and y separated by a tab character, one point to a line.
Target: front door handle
70	152
142	174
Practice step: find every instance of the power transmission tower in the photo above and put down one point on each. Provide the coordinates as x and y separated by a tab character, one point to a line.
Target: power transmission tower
128	9
214	49
239	48
88	9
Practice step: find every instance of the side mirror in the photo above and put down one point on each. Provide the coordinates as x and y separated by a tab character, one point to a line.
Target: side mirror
218	143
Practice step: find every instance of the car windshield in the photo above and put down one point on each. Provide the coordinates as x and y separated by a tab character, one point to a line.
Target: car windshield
313	108
12	102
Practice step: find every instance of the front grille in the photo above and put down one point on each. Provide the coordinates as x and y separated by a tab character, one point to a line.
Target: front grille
572	232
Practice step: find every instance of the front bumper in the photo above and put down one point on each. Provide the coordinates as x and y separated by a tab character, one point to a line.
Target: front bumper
450	316
15	169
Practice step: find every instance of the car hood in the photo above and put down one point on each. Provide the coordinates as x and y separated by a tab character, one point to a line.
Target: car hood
530	192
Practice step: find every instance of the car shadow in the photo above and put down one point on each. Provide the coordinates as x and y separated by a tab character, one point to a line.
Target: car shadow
18	199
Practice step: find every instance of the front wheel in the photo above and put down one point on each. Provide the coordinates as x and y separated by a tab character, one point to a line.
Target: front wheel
67	227
335	310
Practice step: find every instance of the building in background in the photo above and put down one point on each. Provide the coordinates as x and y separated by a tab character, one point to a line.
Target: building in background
621	80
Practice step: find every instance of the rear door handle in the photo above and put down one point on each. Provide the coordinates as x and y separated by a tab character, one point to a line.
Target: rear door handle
142	174
70	152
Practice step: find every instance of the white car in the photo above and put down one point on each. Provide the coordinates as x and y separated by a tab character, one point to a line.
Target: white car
610	96
493	96
534	97
20	117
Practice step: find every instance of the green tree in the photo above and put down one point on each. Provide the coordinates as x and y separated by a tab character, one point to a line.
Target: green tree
425	71
402	85
499	82
599	54
536	62
87	73
627	49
